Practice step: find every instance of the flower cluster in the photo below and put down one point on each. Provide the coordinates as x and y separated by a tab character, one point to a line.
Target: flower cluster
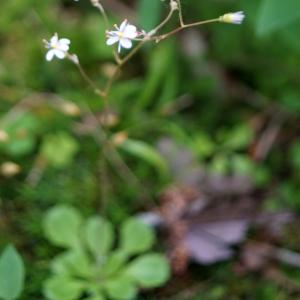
126	33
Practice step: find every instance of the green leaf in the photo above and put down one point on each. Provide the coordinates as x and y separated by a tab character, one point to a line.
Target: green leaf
79	263
74	262
219	165
203	145
295	154
114	263
150	270
99	236
146	153
21	131
61	226
242	164
148	20
290	100
238	138
60	265
59	149
276	14
158	70
95	297
12	274
62	288
136	237
121	288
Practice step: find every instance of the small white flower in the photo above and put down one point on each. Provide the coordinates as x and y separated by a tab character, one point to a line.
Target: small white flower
234	18
124	35
57	47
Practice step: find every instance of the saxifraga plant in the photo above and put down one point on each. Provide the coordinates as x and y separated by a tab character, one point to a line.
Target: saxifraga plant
96	264
89	268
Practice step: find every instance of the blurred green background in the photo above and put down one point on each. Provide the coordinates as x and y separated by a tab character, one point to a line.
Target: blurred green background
230	94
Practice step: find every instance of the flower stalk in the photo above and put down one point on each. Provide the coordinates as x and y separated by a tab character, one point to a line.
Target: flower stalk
124	36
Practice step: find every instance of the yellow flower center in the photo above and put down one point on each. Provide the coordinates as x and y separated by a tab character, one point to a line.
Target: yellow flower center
227	18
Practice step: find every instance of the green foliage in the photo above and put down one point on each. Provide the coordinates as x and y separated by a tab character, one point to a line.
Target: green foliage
60	288
135	237
145	152
12	274
99	245
295	155
216	89
90	265
59	149
149	20
62	225
149	270
21	132
276	14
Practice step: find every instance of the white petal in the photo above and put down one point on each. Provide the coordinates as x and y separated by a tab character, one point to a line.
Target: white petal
50	55
112	40
113	33
130	32
123	25
59	54
54	39
126	43
65	41
63	47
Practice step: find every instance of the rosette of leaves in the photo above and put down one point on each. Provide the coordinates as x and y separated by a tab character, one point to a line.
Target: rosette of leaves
12	274
95	264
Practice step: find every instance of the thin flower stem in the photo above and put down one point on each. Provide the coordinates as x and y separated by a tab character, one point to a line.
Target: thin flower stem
85	76
163	23
117	57
99	6
112	155
166	35
201	23
180	14
132	53
110	81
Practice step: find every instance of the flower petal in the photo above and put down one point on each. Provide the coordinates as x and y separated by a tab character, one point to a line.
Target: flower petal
130	32
123	25
126	43
59	53
50	55
63	47
112	40
54	39
65	41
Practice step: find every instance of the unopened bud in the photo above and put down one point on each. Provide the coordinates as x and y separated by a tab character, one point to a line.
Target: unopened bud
9	169
70	109
95	2
119	138
109	119
3	136
173	5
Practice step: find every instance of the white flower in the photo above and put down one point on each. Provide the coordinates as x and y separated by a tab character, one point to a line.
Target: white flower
234	18
57	47
123	35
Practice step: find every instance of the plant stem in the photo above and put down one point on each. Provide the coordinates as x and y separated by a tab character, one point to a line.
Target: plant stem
166	35
180	13
75	60
103	13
